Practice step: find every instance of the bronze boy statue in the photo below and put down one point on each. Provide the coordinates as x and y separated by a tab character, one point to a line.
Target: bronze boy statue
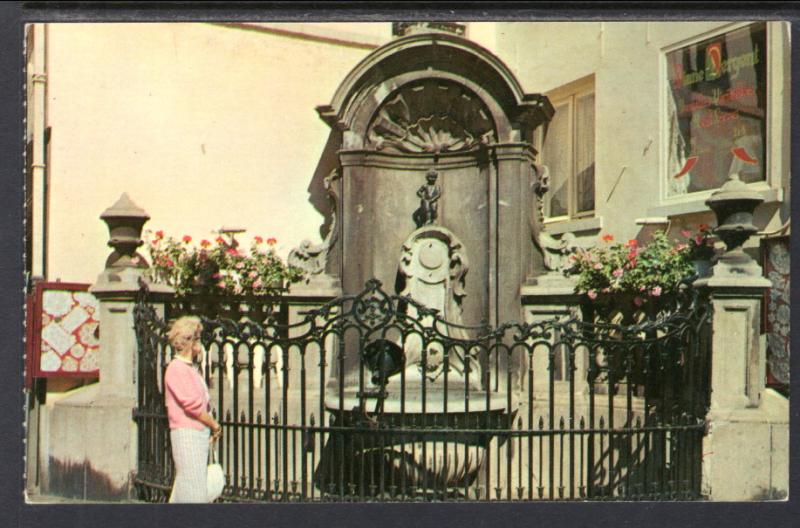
429	195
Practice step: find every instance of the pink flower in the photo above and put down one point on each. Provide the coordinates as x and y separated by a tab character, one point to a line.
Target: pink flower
686	233
170	263
222	284
598	266
232	251
698	239
592	294
638	301
239	265
187	239
257	283
618	272
258	240
681	247
655	292
159	235
272	241
253	274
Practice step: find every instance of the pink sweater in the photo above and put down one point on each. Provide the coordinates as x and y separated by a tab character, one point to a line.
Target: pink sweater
186	395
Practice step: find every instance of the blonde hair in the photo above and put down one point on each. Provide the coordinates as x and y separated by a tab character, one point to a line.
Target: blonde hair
184	331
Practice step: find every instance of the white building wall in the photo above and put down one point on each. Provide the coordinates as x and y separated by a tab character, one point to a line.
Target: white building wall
203	125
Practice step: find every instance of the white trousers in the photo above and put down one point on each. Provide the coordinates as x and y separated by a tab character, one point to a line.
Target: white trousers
190	453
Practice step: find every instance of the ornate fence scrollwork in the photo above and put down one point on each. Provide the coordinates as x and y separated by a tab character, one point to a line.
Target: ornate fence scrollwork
334	407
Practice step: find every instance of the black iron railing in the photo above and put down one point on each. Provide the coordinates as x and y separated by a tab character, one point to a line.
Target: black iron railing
374	397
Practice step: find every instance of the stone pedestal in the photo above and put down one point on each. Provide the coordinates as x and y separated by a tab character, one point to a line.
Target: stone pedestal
92	433
745	453
547	297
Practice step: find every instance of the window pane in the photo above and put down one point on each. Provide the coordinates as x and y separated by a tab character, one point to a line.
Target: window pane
584	154
556	155
717	110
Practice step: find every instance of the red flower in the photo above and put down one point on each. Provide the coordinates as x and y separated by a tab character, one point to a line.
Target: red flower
187	239
271	241
232	251
638	301
703	228
608	238
632	243
258	240
170	263
219	240
159	235
205	243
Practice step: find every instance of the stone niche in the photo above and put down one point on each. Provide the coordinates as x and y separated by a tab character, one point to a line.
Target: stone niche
435	101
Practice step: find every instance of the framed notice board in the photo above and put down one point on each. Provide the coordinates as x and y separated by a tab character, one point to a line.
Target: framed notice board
63	331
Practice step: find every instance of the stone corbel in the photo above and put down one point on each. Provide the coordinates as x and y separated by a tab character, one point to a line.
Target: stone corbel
310	258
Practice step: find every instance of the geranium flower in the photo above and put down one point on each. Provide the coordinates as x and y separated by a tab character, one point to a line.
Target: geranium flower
219	240
187	239
686	233
232	251
608	238
258	240
205	243
638	301
253	274
239	265
632	243
656	292
222	284
703	228
272	241
169	263
159	235
618	272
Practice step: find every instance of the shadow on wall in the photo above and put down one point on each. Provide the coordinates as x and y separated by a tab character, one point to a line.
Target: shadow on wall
318	195
78	480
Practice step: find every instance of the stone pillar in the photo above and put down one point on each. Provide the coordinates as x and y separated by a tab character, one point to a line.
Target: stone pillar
92	433
551	296
745	453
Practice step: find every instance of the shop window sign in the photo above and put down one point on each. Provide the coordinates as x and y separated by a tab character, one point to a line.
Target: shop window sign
717	110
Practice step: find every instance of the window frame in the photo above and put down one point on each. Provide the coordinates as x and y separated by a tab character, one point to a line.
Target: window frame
774	164
570	93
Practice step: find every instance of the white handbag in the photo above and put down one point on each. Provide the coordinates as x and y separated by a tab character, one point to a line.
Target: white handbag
215	478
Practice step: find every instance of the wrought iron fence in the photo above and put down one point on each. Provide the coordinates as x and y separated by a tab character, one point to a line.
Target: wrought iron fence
374	397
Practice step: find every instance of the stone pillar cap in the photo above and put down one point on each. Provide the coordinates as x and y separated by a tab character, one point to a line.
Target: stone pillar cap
733	189
124	207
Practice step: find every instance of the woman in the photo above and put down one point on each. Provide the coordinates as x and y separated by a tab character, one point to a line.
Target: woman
187	398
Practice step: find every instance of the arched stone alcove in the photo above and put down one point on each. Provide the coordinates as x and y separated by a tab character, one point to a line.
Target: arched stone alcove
436	101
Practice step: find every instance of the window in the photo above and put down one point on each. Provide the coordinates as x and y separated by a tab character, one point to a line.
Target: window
568	151
717	110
